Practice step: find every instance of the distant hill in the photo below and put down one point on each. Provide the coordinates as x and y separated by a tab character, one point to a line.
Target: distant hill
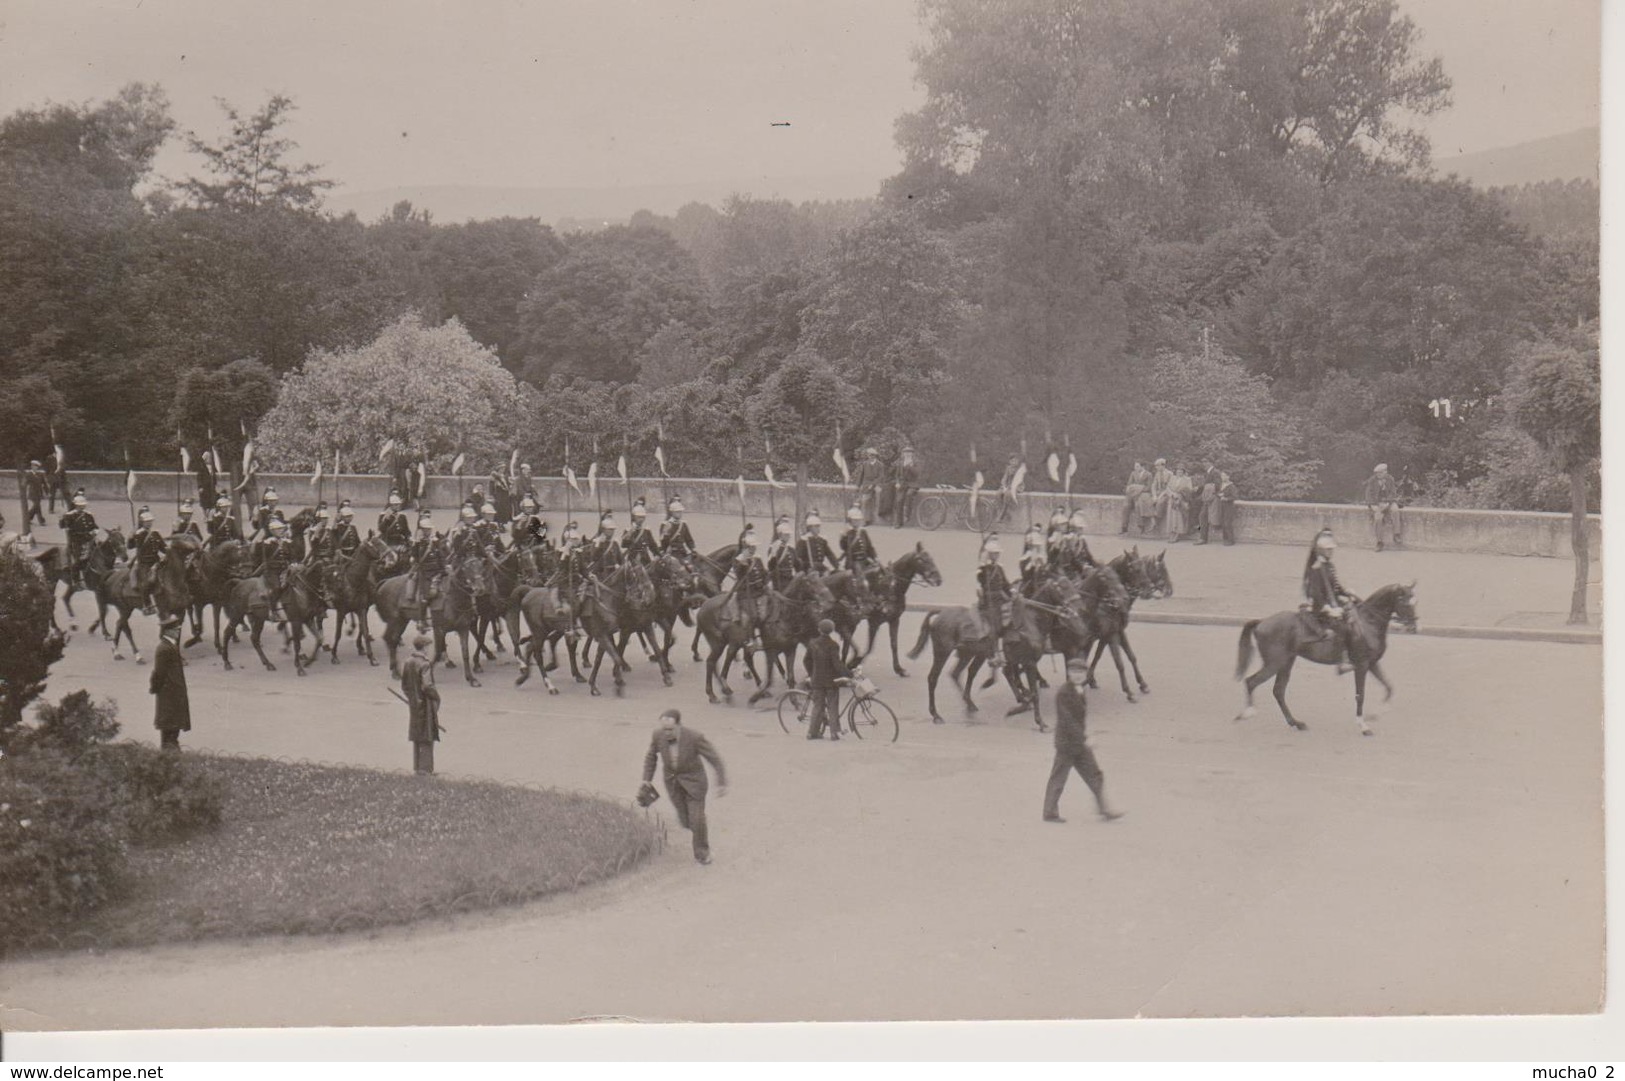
1572	156
577	207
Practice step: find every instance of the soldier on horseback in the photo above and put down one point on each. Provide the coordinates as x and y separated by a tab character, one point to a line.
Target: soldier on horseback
781	557
185	524
462	538
273	558
149	547
750	578
222	524
993	597
428	564
264	514
675	537
639	544
489	529
858	553
529	529
1075	557
393	525
813	553
1057	530
1033	559
346	538
604	554
318	539
1329	603
80	526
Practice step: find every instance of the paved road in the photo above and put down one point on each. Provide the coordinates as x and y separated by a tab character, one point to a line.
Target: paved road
1451	864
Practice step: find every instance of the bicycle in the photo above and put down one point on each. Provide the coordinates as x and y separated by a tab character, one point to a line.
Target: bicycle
935	507
866	716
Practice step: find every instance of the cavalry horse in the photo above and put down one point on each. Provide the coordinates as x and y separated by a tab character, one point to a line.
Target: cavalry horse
671	586
210	577
549	613
1143	578
792	618
891	593
964	634
603	605
301	602
352	582
456	609
712	570
1286	636
114	583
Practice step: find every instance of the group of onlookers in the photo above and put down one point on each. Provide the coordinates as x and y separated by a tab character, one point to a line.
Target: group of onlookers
1177	505
886	489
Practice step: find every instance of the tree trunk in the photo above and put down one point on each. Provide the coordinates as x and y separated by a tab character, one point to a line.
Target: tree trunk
1579	540
801	497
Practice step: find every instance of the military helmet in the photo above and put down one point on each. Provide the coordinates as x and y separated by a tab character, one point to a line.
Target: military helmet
991	546
345	510
186	506
79	500
468	511
219	504
607	521
1076	521
747	537
394	497
783	526
813	519
639	510
527	503
1057	516
270	495
425	520
488	509
145	515
323	513
854	514
674	505
277	525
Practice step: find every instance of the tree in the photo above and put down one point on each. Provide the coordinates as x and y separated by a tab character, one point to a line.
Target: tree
29	645
250	164
801	407
672	355
433	389
1556	397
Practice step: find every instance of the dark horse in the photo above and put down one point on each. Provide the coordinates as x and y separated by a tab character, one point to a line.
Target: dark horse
792	618
1143	578
352	582
964	633
456	609
1286	636
891	592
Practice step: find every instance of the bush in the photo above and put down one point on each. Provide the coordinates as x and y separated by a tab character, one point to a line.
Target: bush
71	726
167	796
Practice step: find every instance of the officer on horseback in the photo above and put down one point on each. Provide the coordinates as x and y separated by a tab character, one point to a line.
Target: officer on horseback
274	555
489	529
222	524
80	526
1033	559
428	565
605	554
1331	605
858	552
675	536
149	547
1057	530
319	537
265	513
346	537
393	525
463	537
994	597
639	544
781	557
184	522
813	553
529	529
1076	558
750	578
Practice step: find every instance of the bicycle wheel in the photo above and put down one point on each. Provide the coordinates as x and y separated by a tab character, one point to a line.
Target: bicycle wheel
794	709
976	517
931	511
870	718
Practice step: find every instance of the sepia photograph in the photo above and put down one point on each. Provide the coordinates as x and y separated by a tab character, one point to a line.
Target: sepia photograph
455	457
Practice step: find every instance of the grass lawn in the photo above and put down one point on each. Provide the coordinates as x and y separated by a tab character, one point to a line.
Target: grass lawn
307	849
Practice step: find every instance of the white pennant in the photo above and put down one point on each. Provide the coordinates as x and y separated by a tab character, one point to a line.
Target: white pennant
1054	464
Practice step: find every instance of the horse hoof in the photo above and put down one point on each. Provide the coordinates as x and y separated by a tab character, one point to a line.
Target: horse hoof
971	709
1131	698
665	677
301	671
1020	708
139	659
118	656
552	689
335	659
901	672
1247	714
1300	726
372	661
1367	732
269	667
520	682
581	679
937	720
473	683
1144	689
714	699
596	693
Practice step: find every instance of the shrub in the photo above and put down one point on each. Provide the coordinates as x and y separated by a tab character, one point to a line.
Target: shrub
166	796
71	726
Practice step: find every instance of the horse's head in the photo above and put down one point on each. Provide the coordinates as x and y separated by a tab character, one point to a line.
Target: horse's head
475	576
1062	594
925	568
1154	572
681	577
299	523
1401	601
811	591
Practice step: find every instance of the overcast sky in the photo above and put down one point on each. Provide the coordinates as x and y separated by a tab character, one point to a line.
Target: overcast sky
630	92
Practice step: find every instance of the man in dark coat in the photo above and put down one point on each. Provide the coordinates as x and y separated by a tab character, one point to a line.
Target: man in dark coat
56	482
34	489
906	482
423	704
174	709
1227	508
1072	750
825	671
682	753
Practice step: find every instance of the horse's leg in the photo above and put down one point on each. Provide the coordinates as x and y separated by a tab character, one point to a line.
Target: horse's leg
696	646
118	631
1122	673
1359	700
366	636
1387	688
338	632
468	672
1134	662
393	627
1100	650
592	682
1014	674
1281	681
970	680
256	630
730	651
711	675
896	662
1038	705
939	660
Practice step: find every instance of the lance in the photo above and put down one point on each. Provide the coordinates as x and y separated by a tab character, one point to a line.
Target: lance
739	457
567	486
592	480
22	497
626	478
660	460
129	485
335	483
182	449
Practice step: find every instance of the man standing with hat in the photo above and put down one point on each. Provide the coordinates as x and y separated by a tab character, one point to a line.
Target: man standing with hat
1072	750
1382	500
825	671
174	710
907	483
34	488
423	705
682	754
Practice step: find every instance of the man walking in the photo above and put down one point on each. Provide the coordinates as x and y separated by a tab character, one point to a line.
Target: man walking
423	703
1072	750
682	753
174	711
825	670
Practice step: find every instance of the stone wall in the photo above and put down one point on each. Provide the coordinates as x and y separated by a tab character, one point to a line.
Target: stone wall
1257	522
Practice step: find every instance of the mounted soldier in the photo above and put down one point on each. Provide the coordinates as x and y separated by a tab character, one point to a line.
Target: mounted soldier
393	525
264	513
489	529
428	565
318	539
222	524
346	537
993	595
813	553
675	537
750	577
639	544
574	557
858	553
80	526
1329	603
184	522
529	529
273	556
462	538
1033	559
1057	529
603	552
781	556
149	547
1075	556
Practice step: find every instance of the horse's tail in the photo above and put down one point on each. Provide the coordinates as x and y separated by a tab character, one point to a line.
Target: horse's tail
1244	648
925	635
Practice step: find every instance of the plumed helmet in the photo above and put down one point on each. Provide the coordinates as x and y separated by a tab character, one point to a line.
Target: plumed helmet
854	514
276	525
782	526
747	536
186	506
1325	541
527	503
220	504
79	500
145	515
425	520
1076	520
270	495
991	546
468	511
674	505
1035	534
1382	468
607	521
323	513
639	510
394	497
488	509
1057	516
346	511
813	519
